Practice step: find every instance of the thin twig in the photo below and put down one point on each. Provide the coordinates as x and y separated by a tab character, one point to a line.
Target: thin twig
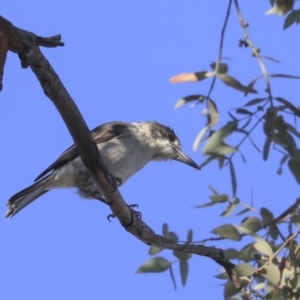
220	48
254	50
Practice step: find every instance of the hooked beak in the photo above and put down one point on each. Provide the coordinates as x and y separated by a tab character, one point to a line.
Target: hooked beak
182	157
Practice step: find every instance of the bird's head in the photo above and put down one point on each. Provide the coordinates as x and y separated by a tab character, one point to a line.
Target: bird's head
166	144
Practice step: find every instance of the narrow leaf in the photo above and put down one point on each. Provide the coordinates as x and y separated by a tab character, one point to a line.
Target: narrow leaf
213	190
234	83
233	178
294	166
199	138
243	211
218	136
165	230
266	148
188	99
293	108
154	265
284	76
189	237
243	111
255	101
184	270
291	18
173	277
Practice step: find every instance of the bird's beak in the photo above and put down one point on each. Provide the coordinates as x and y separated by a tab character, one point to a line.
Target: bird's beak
182	157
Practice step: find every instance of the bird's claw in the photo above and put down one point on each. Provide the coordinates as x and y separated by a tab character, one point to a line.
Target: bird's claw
113	180
137	214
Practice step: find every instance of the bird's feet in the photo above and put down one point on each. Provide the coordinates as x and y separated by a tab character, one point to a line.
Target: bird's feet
137	214
114	181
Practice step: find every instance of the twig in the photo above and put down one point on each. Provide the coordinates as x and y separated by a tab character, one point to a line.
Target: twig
254	50
220	48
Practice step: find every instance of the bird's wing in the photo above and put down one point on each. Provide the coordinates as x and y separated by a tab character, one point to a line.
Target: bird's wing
100	134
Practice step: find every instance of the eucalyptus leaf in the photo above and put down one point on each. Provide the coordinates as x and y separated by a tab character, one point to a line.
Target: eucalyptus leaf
154	265
199	138
294	166
234	83
154	250
233	178
184	271
218	136
227	231
291	18
244	269
188	99
255	101
266	149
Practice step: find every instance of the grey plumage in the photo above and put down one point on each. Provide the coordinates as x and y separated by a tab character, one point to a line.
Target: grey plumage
125	149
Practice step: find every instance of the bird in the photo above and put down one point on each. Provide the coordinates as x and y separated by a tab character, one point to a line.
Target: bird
125	149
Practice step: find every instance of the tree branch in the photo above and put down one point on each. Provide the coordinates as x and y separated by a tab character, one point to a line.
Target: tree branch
26	45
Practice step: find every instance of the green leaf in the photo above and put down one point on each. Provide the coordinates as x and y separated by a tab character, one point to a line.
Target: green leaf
291	18
208	160
233	178
220	68
264	246
273	275
243	211
229	290
203	75
244	270
189	237
199	138
289	105
252	223
182	255
281	7
248	253
255	101
165	230
296	220
206	205
267	215
292	129
234	83
173	236
213	116
214	191
219	198
154	250
154	265
266	149
229	210
218	136
188	99
294	166
243	111
184	271
227	231
172	277
231	254
284	76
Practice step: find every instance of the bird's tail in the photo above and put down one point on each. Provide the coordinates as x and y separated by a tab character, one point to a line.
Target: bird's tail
20	200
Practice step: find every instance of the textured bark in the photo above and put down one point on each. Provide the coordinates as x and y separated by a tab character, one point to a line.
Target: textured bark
26	45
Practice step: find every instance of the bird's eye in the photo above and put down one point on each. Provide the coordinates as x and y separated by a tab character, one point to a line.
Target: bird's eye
171	136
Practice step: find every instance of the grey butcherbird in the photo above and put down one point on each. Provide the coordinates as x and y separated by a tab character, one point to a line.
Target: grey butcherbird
125	149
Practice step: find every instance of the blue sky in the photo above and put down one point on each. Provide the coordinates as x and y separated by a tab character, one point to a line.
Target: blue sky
116	64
